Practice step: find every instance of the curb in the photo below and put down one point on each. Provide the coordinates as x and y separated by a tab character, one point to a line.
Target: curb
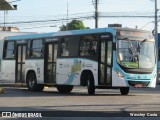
13	85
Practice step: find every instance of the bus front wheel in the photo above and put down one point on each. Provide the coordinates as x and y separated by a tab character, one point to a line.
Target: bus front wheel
64	88
90	85
32	83
124	90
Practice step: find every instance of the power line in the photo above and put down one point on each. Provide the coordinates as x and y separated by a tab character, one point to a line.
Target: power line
127	16
59	16
38	27
10	2
38	21
82	17
146	24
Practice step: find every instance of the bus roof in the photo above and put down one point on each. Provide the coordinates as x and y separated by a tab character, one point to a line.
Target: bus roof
4	34
65	33
28	36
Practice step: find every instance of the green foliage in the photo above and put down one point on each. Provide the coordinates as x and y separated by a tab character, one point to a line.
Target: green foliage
130	64
73	25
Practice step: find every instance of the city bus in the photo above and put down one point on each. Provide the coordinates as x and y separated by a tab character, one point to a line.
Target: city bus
102	58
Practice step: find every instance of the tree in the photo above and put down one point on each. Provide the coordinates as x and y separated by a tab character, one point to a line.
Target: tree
73	25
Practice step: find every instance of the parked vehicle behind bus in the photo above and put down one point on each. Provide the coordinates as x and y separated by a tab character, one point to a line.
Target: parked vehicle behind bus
97	58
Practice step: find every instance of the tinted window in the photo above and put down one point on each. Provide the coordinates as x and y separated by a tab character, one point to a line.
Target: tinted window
9	50
69	46
37	48
88	46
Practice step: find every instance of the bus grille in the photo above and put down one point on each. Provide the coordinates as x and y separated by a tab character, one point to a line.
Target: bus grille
133	83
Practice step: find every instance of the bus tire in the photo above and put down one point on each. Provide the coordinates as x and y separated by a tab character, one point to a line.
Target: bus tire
32	83
124	90
90	84
64	88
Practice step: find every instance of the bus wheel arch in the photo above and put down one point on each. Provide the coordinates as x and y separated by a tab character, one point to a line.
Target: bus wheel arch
87	79
31	80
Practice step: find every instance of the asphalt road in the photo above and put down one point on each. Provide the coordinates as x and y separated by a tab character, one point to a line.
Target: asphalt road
105	103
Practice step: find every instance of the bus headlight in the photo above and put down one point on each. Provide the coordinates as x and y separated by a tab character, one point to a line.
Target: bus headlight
120	74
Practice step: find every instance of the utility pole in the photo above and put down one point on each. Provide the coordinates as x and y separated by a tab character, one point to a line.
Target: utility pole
95	3
67	18
5	6
156	36
156	25
4	20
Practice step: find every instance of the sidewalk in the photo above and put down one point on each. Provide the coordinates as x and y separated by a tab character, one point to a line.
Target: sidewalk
12	85
24	85
7	83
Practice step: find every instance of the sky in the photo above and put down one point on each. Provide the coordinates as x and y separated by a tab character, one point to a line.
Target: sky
48	15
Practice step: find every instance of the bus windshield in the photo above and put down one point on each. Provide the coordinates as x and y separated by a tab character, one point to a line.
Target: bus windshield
136	53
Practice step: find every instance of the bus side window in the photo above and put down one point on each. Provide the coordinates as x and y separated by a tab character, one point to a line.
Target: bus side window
64	48
88	46
9	50
36	48
69	46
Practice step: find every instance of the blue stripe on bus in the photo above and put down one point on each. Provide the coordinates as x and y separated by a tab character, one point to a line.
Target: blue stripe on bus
72	76
62	33
29	36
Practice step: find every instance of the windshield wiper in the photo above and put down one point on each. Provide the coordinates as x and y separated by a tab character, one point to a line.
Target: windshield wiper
140	45
125	39
144	40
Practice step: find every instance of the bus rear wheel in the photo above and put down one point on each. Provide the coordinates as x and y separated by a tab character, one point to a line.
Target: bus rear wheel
90	85
64	88
124	90
32	83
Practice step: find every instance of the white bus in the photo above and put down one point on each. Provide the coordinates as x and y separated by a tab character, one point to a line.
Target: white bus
5	70
96	58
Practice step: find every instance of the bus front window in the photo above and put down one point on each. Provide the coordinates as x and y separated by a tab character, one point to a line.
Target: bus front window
135	53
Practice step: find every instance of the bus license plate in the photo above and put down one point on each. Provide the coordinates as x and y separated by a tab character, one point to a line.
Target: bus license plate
138	85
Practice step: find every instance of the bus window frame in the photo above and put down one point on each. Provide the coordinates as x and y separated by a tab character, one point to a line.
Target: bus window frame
110	38
96	39
30	44
61	39
93	57
5	50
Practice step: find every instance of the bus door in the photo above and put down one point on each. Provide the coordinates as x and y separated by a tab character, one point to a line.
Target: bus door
50	62
21	50
105	66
